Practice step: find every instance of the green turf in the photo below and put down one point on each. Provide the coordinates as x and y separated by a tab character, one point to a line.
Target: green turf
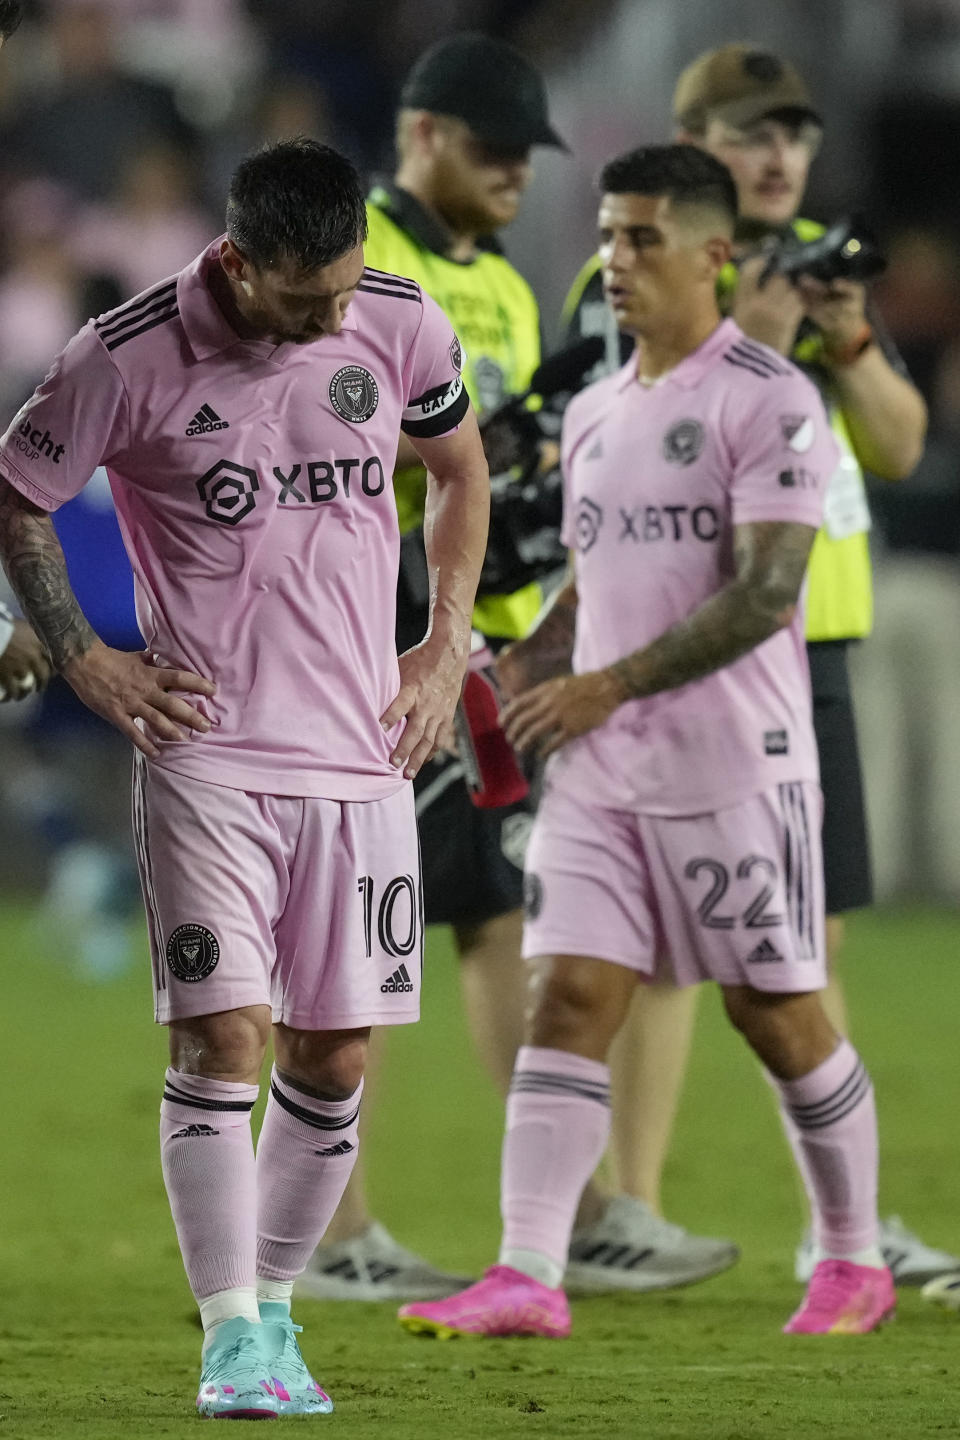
95	1332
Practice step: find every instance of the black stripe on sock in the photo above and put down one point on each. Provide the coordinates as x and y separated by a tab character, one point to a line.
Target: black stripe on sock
542	1083
811	1107
840	1114
310	1117
837	1106
181	1097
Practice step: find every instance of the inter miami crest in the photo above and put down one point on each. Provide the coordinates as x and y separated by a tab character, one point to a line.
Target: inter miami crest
354	394
192	952
683	442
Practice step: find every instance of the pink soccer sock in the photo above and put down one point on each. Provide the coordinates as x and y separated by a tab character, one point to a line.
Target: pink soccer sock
206	1150
831	1123
558	1121
307	1150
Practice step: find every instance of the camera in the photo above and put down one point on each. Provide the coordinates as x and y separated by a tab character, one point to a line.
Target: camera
846	251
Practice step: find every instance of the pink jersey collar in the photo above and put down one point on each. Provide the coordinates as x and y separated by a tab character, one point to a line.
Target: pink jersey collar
207	329
694	366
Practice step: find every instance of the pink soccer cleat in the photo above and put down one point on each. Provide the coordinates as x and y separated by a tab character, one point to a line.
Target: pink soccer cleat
844	1299
504	1302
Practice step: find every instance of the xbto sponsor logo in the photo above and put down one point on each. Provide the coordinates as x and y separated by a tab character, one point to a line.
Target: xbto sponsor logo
649	523
316	482
229	491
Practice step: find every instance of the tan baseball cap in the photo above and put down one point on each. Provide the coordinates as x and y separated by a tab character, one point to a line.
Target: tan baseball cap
739	84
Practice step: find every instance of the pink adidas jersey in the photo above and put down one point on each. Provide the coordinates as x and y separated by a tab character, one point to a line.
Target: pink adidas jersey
253	486
655	480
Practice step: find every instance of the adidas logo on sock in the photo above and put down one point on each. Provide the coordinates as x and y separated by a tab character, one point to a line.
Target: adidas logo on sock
205	420
765	954
189	1131
399	983
343	1147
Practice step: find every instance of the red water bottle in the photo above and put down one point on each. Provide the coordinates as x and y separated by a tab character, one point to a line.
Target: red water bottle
493	774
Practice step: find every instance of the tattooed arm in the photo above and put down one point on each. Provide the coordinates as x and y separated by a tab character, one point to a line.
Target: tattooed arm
548	649
118	685
770	559
33	560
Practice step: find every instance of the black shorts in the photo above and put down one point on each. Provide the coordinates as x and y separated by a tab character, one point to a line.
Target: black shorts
846	850
472	859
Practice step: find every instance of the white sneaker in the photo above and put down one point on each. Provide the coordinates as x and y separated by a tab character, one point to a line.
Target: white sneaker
373	1266
910	1261
944	1291
630	1248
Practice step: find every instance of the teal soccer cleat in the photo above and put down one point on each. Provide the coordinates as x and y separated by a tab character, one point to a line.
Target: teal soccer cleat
301	1395
236	1380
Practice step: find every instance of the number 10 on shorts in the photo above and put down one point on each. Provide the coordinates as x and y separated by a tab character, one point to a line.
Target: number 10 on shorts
398	915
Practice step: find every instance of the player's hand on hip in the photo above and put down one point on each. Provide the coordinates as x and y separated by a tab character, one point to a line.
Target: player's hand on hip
430	681
546	717
24	665
125	686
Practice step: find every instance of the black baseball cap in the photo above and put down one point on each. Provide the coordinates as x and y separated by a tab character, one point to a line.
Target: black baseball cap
487	84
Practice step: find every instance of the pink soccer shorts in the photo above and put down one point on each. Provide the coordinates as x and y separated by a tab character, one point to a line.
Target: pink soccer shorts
310	906
734	896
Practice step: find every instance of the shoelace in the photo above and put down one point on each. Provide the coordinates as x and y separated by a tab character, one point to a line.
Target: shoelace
290	1355
234	1353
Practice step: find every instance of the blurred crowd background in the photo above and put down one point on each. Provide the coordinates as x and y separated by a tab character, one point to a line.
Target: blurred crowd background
120	123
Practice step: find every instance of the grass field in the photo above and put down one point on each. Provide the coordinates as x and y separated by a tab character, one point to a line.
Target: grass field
96	1339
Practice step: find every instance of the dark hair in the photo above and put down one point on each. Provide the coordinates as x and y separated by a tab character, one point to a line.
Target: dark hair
296	200
11	13
684	172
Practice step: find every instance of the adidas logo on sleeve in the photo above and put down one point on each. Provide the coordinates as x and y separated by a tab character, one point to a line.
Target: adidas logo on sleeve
205	421
399	982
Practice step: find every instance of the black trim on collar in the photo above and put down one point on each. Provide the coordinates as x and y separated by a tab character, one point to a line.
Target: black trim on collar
426	227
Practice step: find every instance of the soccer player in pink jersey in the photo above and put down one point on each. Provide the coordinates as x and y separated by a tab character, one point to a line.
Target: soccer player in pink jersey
248	412
680	821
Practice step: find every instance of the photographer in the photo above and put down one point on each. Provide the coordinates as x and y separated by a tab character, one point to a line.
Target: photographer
471	111
753	111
